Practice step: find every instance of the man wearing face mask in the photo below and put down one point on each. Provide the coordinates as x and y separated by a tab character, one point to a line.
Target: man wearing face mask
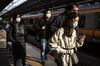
18	19
18	46
45	34
65	39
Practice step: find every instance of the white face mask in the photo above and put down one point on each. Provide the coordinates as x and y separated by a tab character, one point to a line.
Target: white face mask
75	24
18	19
48	15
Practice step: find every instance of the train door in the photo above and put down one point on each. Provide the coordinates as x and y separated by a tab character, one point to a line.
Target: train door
86	25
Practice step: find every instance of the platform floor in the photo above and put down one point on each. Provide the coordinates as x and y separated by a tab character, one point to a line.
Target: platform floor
84	59
33	58
4	57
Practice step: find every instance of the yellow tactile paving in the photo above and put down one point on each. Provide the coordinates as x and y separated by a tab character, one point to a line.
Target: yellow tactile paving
33	62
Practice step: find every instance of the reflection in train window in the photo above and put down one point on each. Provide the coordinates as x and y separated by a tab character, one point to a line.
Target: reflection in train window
82	21
98	20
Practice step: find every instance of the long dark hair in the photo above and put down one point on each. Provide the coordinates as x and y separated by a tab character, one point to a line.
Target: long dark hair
70	15
70	7
66	25
69	21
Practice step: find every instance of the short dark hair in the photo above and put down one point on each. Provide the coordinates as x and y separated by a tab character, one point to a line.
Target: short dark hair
71	6
45	12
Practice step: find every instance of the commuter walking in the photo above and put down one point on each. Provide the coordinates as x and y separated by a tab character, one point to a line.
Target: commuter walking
43	35
65	41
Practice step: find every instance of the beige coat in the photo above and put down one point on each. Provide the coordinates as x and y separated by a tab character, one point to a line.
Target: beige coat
64	46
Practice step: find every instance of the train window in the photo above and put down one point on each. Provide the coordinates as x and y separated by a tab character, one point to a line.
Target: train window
82	21
25	21
98	20
30	21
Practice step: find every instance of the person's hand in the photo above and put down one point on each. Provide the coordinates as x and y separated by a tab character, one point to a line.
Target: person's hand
43	27
81	38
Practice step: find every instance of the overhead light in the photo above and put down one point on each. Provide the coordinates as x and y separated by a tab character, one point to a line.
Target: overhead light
12	5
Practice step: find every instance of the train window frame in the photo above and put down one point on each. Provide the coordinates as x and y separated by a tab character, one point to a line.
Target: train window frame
82	20
97	26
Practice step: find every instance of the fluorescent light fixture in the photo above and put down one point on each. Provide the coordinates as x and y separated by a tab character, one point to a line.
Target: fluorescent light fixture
12	5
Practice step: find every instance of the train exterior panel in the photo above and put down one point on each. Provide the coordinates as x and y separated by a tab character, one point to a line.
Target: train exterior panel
91	24
89	21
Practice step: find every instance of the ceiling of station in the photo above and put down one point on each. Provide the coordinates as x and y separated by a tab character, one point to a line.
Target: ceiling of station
4	3
36	5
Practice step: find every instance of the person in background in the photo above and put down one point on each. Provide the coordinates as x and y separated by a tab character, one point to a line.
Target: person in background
18	41
65	41
7	28
1	24
2	35
43	34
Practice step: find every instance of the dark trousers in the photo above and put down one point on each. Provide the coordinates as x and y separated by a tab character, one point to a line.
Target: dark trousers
57	62
19	52
23	59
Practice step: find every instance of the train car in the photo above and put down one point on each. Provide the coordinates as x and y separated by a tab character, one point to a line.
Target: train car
89	21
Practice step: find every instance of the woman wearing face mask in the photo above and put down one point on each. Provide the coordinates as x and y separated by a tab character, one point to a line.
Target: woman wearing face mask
18	39
64	41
